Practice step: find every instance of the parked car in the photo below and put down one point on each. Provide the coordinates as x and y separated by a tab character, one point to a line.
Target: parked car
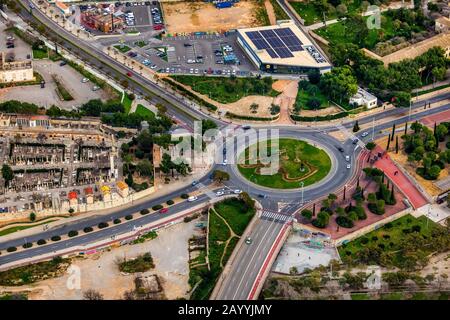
95	88
84	80
63	63
129	74
237	191
192	198
164	210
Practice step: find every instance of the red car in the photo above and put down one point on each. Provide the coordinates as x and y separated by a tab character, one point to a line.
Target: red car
129	74
163	210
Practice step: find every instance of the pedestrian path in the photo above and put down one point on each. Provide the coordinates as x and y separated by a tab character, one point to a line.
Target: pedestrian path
401	181
273	216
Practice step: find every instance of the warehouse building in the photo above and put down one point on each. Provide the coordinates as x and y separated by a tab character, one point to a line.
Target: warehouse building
282	48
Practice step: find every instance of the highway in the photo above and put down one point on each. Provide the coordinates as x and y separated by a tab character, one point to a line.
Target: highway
250	258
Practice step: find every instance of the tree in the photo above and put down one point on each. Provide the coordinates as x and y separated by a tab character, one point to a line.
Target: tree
145	168
183	168
32	217
314	76
7	174
207	125
307	214
166	163
340	84
356	126
247	200
220	176
389	142
313	103
254	107
370	145
393	132
322	219
92	295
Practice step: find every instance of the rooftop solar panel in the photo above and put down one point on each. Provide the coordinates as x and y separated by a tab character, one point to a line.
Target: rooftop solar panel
279	43
271	53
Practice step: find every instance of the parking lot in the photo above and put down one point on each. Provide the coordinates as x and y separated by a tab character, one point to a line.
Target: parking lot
20	51
202	54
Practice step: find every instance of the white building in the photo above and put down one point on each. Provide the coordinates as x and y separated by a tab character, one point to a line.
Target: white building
364	98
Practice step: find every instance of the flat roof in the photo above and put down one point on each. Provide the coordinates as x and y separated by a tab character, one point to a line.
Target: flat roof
304	54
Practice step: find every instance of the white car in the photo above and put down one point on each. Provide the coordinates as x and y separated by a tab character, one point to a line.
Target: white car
347	158
84	80
192	198
196	71
348	166
191	70
365	134
225	162
219	193
237	191
153	66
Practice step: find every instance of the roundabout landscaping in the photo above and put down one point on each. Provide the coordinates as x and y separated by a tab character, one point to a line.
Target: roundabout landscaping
300	162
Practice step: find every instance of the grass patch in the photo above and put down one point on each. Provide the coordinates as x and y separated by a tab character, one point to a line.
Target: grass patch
123	49
127	103
295	156
141	263
147	236
34	272
228	89
19	228
303	96
40	53
235	214
141	43
403	243
143	111
360	296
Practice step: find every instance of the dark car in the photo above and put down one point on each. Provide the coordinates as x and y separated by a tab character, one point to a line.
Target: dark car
341	149
264	196
63	63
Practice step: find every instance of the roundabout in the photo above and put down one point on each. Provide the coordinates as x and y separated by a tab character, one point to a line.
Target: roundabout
300	164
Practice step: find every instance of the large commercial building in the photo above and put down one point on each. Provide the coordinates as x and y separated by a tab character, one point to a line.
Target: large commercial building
281	48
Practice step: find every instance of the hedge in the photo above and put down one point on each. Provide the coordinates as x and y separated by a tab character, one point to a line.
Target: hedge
11	249
27	245
184	196
320	118
190	94
55	238
236	116
88	229
128	217
102	225
157	207
41	242
170	202
72	233
117	221
145	211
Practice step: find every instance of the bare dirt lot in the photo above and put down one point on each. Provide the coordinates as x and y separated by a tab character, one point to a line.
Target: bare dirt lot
100	271
199	16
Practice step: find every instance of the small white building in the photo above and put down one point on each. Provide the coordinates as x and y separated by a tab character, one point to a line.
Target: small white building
364	98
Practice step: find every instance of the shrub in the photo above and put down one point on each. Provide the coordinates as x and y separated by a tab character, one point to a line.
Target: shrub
344	222
128	217
386	236
170	202
415	228
322	220
102	225
11	249
374	239
88	229
117	221
55	238
184	196
144	212
364	240
27	245
157	207
72	233
360	212
41	242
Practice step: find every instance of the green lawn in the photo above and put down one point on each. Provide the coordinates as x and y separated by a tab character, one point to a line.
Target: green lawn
311	15
18	228
293	153
389	238
123	49
228	89
360	296
303	96
40	54
143	111
126	103
234	212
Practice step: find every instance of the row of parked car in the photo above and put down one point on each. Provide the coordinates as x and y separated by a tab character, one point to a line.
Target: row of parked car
157	20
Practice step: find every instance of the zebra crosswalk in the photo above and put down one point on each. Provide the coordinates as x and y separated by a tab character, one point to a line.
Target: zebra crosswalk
273	216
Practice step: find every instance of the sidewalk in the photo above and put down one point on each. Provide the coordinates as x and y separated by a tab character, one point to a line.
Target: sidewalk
401	181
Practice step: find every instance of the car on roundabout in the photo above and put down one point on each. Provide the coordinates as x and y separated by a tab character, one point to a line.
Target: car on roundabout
237	191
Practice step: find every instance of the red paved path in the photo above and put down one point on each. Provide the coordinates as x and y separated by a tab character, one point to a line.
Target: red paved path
400	180
436	118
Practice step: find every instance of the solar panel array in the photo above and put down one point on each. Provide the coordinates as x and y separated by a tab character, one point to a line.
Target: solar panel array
279	43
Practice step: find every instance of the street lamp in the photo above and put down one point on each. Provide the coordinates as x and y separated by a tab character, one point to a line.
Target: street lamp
301	185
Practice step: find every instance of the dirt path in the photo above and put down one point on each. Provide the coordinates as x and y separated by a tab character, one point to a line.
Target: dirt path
232	235
270	12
